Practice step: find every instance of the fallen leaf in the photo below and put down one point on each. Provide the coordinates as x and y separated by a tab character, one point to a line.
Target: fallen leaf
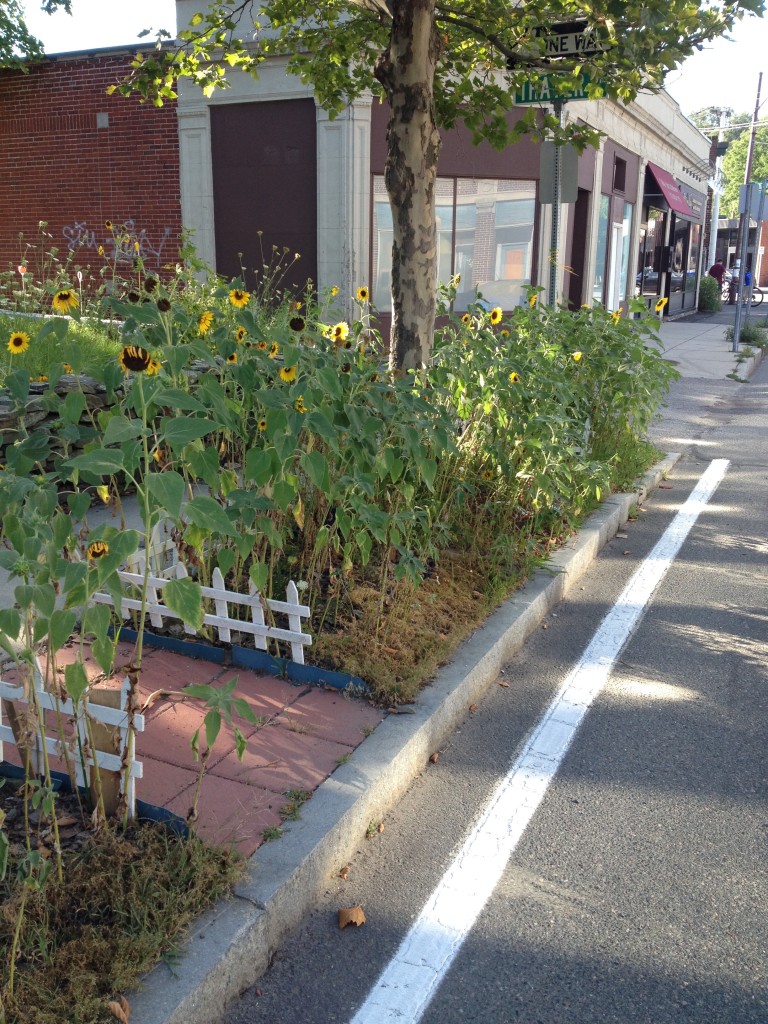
344	873
665	487
351	915
502	684
472	707
381	826
434	758
117	1011
544	625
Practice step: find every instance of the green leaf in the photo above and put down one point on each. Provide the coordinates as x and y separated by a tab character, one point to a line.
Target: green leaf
45	599
177	398
10	622
168	491
78	504
206	513
4	848
259	466
259	573
96	620
98	462
73	407
179	431
103	651
284	493
184	598
120	428
76	679
212	723
226	559
315	465
60	628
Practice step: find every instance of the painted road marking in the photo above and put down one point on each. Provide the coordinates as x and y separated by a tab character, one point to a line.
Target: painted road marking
408	983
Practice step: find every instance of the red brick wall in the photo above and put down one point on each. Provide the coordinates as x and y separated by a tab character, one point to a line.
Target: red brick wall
75	157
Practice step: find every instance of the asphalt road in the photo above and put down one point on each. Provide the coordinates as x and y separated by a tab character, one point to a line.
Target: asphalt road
638	892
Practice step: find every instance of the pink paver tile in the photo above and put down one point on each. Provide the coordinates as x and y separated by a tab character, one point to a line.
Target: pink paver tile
168	733
230	813
332	716
279	760
166	670
266	696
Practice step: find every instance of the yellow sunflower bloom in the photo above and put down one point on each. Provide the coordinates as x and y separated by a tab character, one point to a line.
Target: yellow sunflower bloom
18	343
262	425
532	301
205	322
232	358
103	493
496	315
514	377
154	367
288	374
466	318
135	359
68	368
97	549
661	304
299	404
334	291
64	301
240	334
576	357
616	316
274	348
340	331
239	298
363	295
262	346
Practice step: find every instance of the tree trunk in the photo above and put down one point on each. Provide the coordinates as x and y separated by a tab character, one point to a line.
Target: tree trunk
407	72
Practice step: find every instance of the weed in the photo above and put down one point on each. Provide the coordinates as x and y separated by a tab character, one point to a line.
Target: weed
270	833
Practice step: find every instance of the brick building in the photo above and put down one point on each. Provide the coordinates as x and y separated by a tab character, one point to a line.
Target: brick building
78	159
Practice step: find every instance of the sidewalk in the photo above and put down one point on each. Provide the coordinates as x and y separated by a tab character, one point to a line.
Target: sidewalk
696	345
353	759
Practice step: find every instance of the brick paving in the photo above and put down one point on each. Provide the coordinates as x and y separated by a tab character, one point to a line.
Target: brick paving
303	734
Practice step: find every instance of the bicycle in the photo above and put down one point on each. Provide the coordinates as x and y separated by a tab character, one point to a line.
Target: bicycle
757	293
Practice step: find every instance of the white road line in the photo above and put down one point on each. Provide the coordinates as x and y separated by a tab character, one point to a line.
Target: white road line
411	978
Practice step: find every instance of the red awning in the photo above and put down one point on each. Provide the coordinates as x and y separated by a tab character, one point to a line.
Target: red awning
671	191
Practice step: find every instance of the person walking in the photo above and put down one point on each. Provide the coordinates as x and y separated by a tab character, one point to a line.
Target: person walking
717	270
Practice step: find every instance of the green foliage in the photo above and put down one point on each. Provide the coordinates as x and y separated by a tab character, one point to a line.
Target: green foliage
710	300
750	333
734	166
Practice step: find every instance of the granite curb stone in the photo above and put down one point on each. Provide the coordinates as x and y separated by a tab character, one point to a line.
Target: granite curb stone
230	947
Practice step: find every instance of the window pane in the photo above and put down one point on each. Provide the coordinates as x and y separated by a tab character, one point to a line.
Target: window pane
493	249
381	244
626	229
598	291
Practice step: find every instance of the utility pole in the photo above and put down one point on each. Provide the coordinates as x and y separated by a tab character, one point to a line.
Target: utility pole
725	116
743	229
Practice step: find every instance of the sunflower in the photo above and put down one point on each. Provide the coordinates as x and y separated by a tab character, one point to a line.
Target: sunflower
160	456
616	316
136	359
154	367
488	474
65	300
299	404
345	367
232	358
150	284
514	377
68	368
18	343
239	298
295	306
205	322
108	225
532	301
134	297
334	291
262	425
363	295
42	379
163	305
103	493
496	314
97	549
661	304
100	250
261	345
288	374
240	334
466	318
339	332
503	333
576	357
297	323
274	348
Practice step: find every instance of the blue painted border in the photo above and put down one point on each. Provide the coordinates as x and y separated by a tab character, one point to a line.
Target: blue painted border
246	657
144	811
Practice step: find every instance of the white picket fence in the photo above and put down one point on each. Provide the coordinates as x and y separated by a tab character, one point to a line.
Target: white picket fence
123	764
166	565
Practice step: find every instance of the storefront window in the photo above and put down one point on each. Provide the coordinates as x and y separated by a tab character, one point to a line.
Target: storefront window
693	264
649	263
626	228
485	234
598	291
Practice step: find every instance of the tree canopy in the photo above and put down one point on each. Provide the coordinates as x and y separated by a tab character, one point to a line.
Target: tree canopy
435	62
734	167
17	45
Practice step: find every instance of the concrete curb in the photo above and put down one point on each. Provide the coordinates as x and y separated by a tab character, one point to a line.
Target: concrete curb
230	947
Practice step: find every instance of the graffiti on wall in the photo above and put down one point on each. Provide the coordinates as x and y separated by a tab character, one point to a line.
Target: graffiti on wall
122	245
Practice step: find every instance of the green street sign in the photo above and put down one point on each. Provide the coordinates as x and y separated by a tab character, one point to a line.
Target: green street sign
547	89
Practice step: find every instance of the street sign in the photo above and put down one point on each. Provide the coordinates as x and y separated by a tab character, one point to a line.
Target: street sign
759	200
546	89
567	172
571	39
